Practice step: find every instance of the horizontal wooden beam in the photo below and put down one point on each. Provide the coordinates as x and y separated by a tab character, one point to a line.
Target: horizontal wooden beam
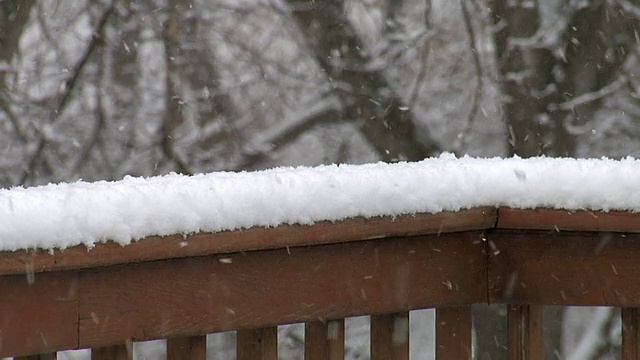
178	287
564	220
178	246
183	297
38	313
564	268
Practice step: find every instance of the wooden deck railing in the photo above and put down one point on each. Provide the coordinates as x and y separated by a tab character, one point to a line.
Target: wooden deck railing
179	288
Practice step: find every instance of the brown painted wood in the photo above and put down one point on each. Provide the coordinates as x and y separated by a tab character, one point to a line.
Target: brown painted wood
116	352
257	344
49	356
630	333
390	336
38	313
184	297
187	348
524	332
324	340
177	246
560	220
453	333
566	268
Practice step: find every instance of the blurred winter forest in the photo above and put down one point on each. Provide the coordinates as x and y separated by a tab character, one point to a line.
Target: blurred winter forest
107	88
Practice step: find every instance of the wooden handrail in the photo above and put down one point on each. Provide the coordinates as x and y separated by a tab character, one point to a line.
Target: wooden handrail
179	246
181	287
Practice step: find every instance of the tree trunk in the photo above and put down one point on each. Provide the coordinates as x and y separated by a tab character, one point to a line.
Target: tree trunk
367	97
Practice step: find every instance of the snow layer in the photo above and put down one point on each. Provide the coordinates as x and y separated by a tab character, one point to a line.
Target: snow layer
64	215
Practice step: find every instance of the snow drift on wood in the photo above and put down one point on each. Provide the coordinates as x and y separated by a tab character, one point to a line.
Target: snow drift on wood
64	215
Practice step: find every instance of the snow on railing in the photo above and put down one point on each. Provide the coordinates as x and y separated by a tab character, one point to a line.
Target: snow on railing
64	215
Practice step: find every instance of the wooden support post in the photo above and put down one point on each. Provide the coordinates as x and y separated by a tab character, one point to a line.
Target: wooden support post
118	352
630	333
453	333
257	344
324	340
188	348
390	336
49	356
524	328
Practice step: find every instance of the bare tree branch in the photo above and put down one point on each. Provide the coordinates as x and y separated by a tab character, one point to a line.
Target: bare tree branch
69	87
479	89
101	115
14	15
173	113
368	98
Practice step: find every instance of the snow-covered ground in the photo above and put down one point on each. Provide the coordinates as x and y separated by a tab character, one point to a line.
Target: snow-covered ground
64	215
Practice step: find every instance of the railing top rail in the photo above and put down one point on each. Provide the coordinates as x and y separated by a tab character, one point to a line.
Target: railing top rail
258	238
179	246
358	266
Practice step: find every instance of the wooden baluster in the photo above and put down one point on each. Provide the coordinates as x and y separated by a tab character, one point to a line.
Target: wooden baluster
524	328
118	352
630	333
390	336
257	344
453	333
324	340
49	356
188	348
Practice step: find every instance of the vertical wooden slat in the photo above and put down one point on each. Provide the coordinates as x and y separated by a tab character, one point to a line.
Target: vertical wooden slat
324	340
188	348
390	336
453	333
630	333
257	344
524	327
118	352
49	356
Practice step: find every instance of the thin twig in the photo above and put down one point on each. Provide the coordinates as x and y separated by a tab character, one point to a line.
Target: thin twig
424	56
477	94
100	117
590	96
173	114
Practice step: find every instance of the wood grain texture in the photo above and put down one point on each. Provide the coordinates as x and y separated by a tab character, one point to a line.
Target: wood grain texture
177	246
630	334
524	332
566	268
116	352
453	333
390	336
564	220
38	313
187	348
184	297
257	344
324	340
48	356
